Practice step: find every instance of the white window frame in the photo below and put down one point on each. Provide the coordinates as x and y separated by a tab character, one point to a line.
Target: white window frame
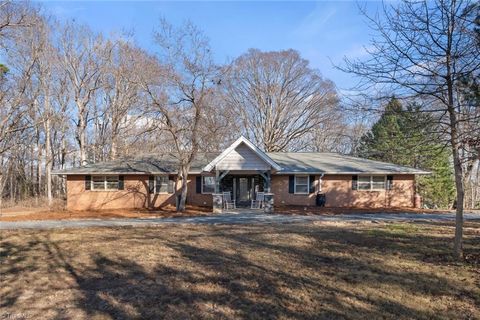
371	182
104	178
155	183
295	184
214	182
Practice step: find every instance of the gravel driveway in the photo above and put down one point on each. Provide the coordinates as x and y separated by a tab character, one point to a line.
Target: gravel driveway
228	218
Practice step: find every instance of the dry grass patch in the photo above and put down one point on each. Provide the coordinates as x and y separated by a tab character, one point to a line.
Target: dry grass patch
57	214
312	210
286	271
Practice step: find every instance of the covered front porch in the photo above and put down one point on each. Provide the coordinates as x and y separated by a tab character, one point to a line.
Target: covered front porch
243	170
243	186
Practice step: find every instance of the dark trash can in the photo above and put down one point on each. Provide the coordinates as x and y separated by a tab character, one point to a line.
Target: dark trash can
321	199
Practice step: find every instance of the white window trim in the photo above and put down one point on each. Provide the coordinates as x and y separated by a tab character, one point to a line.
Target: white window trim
92	185
371	183
202	179
155	183
295	184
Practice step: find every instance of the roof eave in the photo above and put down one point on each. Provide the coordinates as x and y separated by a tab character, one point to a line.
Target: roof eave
353	172
74	173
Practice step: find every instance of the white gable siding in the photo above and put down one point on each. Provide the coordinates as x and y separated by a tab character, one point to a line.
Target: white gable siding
242	158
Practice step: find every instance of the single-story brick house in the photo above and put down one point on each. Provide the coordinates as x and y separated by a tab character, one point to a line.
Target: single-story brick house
289	178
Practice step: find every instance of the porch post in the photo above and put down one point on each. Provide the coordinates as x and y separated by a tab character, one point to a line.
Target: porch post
218	178
269	182
268	202
217	181
217	200
266	176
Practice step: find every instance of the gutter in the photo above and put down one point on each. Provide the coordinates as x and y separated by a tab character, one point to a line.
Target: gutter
351	172
321	173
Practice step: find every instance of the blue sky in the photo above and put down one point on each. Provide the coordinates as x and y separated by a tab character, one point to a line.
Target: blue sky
320	31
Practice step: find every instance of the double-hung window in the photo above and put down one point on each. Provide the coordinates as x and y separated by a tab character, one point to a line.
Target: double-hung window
208	184
105	183
301	184
161	184
371	183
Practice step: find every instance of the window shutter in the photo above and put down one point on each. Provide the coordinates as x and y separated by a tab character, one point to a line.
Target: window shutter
151	184
120	183
312	184
291	184
171	184
354	182
389	182
199	184
88	182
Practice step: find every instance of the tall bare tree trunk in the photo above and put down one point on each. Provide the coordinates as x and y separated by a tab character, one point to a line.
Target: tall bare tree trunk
1	191
48	148
12	190
81	136
39	165
184	188
63	157
48	162
32	171
113	149
457	164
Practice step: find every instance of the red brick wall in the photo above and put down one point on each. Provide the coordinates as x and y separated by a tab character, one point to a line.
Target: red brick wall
337	188
283	198
134	195
339	193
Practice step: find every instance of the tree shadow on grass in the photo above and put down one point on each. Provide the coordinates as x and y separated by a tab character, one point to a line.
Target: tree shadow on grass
222	273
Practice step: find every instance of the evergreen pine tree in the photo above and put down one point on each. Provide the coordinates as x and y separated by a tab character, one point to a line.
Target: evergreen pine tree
405	137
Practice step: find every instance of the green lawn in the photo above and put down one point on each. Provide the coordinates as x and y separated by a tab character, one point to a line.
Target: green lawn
286	271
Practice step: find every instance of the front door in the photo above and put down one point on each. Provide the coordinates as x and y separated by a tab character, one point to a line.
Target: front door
243	188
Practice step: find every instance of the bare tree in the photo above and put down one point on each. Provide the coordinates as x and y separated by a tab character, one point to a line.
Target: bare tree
179	91
422	51
278	97
13	15
16	86
82	55
121	94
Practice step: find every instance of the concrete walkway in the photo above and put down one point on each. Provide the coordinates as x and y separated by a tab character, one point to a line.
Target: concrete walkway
229	218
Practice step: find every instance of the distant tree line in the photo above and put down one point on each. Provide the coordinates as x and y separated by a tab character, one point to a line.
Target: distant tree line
70	96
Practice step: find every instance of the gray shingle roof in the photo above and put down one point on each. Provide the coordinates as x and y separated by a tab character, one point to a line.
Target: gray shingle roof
291	162
314	162
154	164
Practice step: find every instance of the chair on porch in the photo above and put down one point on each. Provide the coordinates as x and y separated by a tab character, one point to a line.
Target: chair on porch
228	203
259	200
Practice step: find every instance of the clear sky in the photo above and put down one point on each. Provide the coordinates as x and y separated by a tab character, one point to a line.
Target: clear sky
321	31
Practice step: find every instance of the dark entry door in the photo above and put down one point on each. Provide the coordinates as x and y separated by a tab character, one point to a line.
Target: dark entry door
243	191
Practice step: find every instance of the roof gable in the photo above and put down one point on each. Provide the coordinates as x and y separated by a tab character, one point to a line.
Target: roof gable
245	154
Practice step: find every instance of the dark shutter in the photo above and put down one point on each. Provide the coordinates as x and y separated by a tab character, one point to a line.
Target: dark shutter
120	183
354	182
151	184
389	182
312	184
88	182
199	184
291	184
171	184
